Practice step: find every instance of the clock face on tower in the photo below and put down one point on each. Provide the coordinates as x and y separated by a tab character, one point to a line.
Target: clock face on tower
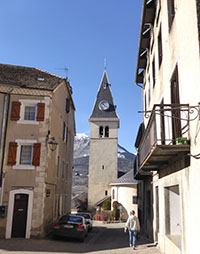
104	105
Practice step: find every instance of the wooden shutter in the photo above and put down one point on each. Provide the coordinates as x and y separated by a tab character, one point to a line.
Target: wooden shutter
36	154
40	111
15	111
12	152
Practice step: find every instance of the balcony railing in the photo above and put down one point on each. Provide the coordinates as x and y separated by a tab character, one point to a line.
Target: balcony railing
165	137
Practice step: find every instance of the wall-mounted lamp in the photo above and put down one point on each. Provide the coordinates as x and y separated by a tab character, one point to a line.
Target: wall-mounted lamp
51	142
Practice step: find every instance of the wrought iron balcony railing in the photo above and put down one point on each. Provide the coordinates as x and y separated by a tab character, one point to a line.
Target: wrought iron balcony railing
166	135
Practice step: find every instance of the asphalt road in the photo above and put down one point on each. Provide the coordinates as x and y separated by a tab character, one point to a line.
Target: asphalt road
103	239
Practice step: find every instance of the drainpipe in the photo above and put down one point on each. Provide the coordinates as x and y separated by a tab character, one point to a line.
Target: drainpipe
3	134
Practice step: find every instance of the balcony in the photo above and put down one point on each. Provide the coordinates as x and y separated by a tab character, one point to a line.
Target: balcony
165	139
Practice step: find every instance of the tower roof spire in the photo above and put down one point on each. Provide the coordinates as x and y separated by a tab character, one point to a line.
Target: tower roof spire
104	107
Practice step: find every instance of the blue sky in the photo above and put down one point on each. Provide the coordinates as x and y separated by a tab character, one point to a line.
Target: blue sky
79	35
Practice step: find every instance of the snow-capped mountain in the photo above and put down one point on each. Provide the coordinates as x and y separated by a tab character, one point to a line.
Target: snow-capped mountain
82	145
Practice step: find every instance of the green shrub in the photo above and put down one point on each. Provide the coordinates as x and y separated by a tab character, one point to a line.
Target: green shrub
106	205
115	212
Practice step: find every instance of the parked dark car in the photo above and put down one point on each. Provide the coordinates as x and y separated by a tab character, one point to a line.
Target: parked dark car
71	226
88	219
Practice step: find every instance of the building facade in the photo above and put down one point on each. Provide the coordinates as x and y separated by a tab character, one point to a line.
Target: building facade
124	191
36	142
104	124
168	140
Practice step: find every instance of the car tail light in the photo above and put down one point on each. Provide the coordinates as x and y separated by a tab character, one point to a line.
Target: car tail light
57	225
80	227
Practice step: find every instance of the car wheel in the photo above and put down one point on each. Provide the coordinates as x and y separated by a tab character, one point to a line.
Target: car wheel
82	239
55	237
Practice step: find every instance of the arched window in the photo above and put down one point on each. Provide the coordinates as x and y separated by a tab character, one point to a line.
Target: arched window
101	131
107	132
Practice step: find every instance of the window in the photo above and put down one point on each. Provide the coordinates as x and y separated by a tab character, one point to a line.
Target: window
67	106
162	123
160	53
27	111
153	72
106	131
173	224
134	200
58	164
102	166
171	12
158	11
30	113
101	131
26	154
63	169
145	103
65	132
175	99
157	211
149	91
106	193
113	194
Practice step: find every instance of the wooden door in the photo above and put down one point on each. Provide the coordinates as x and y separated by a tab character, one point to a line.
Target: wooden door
20	215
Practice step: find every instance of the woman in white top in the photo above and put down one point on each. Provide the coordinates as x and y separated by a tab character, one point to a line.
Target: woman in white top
133	227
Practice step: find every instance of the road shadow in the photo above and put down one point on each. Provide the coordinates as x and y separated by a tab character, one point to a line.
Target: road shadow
99	239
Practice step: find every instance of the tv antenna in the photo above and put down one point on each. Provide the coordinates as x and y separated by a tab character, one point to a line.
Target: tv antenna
65	69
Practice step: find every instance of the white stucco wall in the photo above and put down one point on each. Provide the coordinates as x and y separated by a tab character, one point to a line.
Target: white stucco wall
124	195
180	48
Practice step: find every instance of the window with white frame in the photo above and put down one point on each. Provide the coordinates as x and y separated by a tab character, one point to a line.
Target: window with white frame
28	112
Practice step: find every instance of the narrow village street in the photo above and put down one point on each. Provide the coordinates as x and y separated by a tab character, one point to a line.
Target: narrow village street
104	238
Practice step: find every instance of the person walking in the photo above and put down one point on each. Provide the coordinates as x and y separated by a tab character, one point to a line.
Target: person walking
133	227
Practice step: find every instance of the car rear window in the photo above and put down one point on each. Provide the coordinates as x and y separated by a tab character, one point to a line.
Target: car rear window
71	218
87	216
75	219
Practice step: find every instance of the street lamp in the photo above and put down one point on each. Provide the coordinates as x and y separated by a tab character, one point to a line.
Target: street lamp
52	143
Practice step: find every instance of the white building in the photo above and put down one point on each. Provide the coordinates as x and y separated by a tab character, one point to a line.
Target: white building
168	140
124	191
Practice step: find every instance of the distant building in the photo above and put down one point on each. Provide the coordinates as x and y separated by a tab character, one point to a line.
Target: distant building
103	145
168	140
124	191
36	150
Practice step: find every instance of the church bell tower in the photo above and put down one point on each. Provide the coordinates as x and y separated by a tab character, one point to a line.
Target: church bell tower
104	124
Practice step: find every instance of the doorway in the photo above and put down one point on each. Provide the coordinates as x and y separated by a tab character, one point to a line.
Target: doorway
20	215
21	201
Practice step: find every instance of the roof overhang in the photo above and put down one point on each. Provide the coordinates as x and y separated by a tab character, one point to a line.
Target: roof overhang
100	202
122	184
147	21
